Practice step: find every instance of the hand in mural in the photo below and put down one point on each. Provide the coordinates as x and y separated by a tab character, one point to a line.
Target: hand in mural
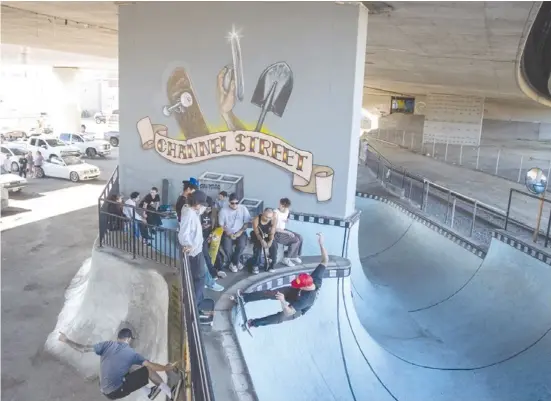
226	93
226	98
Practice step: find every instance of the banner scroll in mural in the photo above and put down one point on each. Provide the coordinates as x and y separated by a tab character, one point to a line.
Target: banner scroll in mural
307	177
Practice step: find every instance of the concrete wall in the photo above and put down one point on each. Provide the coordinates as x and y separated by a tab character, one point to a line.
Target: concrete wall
495	131
187	48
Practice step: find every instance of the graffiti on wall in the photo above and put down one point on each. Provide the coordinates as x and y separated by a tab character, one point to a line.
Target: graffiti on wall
271	95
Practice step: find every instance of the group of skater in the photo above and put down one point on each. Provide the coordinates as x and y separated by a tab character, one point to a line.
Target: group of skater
122	369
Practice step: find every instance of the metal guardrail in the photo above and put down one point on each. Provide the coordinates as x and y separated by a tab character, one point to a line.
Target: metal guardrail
120	232
466	215
541	199
511	166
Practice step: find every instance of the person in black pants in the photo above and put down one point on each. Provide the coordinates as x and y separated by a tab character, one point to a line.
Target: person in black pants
295	300
23	166
263	238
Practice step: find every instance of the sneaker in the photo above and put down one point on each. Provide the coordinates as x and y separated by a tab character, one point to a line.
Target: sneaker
239	292
288	262
298	261
240	266
233	268
155	390
205	314
270	269
221	274
216	287
255	270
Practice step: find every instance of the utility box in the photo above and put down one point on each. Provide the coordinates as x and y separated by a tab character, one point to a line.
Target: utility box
254	206
214	183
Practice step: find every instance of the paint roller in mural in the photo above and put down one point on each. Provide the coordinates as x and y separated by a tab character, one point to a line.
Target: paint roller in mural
271	94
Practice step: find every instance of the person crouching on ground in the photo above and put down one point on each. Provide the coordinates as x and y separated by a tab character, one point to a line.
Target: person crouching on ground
263	240
190	237
286	237
122	369
295	300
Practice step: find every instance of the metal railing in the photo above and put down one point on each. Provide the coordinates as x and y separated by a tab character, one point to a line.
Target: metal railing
488	159
135	236
132	235
542	201
467	216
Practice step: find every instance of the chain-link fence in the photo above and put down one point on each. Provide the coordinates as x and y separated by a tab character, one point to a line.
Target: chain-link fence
504	163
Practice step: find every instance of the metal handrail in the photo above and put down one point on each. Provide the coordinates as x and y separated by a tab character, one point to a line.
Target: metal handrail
529	195
433	184
201	383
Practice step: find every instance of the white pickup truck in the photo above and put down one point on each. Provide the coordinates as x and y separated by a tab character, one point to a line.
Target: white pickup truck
87	144
49	147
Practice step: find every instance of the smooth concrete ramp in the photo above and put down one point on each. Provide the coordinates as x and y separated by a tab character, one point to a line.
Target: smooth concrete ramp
420	318
110	292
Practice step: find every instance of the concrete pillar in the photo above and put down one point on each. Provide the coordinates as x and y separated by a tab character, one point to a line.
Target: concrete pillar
64	100
453	119
267	91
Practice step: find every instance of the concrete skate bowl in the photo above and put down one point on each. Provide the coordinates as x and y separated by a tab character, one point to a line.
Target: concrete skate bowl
108	293
403	328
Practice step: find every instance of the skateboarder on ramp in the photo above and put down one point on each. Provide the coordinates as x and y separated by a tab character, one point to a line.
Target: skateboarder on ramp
122	369
295	300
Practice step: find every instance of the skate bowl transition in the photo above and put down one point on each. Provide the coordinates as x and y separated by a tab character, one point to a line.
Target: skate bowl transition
110	292
422	316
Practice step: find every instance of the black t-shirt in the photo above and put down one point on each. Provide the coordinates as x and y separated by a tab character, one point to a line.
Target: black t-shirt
302	300
149	199
206	218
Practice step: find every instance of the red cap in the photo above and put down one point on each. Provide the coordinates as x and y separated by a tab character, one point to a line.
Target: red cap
303	280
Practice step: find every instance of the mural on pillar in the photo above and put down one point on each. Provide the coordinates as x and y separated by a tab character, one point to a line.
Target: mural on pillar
198	143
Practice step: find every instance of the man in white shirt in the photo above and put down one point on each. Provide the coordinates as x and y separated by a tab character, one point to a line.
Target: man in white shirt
131	211
287	237
190	237
234	219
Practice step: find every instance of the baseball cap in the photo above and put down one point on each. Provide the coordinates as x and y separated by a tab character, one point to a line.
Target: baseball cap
125	333
199	198
302	280
194	181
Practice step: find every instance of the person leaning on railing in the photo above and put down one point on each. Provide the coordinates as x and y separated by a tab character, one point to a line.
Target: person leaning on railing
190	237
115	217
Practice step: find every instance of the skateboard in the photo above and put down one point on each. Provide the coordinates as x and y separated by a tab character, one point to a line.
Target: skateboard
216	237
241	304
178	387
207	305
183	105
266	259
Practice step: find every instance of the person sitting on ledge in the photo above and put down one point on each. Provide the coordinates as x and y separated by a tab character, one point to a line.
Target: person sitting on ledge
190	186
234	219
263	238
295	300
122	369
287	237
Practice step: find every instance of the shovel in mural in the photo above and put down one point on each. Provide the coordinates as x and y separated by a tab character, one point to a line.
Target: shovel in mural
273	91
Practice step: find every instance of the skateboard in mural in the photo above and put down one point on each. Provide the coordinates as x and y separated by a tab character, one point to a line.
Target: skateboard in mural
241	305
184	105
214	247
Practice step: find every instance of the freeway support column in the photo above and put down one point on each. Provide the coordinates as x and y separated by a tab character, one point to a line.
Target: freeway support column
65	105
258	98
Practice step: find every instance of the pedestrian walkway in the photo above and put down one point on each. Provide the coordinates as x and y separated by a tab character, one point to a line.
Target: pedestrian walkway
491	190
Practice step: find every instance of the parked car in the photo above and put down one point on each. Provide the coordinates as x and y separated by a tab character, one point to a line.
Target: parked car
99	117
87	144
114	119
112	137
49	147
11	182
17	134
68	167
12	151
